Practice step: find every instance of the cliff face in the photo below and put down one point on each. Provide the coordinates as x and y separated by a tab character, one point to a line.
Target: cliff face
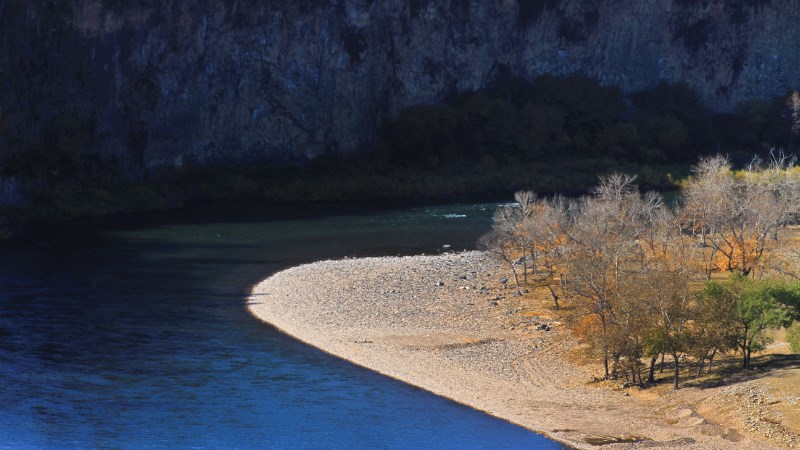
149	83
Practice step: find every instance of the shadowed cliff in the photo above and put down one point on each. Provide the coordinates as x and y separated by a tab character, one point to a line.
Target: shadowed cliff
144	84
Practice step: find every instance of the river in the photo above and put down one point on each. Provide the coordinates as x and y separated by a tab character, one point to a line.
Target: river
132	332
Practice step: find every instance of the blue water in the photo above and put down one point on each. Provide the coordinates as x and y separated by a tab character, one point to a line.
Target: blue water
132	333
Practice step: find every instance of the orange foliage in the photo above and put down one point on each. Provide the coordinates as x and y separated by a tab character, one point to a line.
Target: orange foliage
588	327
737	255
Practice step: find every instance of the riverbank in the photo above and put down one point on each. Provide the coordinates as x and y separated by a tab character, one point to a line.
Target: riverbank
446	324
337	183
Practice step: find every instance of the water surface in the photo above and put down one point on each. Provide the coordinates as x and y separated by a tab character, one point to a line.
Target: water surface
133	333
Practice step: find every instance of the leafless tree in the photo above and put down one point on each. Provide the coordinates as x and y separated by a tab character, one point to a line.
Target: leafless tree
544	227
603	236
632	262
526	233
501	240
738	215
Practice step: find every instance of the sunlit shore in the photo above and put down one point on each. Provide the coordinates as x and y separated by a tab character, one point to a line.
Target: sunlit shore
446	324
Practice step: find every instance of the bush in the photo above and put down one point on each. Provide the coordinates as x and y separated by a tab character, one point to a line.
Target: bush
793	336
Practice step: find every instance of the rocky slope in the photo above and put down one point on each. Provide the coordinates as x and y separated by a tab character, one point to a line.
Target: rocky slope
152	83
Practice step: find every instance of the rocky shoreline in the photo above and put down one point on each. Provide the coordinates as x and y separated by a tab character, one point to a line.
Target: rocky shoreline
448	324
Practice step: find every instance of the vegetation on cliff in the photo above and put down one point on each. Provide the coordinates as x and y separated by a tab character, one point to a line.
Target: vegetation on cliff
553	118
549	135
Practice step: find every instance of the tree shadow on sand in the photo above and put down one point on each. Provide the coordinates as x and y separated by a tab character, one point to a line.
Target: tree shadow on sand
729	370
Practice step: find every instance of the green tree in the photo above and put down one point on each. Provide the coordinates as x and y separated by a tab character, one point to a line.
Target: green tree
753	307
793	336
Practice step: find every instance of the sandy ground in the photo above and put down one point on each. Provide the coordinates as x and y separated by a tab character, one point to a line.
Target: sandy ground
446	324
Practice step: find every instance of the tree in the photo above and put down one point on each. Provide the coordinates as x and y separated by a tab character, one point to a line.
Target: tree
544	224
668	308
738	215
527	232
523	236
714	328
752	306
793	336
499	241
632	266
703	195
664	277
602	245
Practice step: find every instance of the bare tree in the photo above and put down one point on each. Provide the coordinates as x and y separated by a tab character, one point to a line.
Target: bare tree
501	240
703	201
523	238
525	233
634	265
603	237
738	215
544	225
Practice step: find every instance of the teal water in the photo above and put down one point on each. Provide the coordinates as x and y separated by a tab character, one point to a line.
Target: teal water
133	333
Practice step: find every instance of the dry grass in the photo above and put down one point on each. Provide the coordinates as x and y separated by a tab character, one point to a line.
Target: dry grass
762	401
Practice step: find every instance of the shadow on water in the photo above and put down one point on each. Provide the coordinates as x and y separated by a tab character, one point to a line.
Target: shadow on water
136	335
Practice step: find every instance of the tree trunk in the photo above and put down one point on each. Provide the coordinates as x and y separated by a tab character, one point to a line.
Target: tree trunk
651	377
524	266
605	346
661	369
514	271
702	363
677	371
638	368
711	359
555	296
745	345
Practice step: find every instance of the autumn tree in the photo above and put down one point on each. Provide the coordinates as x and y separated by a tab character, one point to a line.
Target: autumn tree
602	247
633	267
667	307
544	225
703	194
663	281
738	214
528	233
500	240
523	236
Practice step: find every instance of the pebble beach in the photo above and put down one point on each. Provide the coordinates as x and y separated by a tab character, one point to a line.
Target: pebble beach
453	325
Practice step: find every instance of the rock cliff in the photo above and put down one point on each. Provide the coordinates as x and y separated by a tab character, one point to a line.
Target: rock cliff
151	83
